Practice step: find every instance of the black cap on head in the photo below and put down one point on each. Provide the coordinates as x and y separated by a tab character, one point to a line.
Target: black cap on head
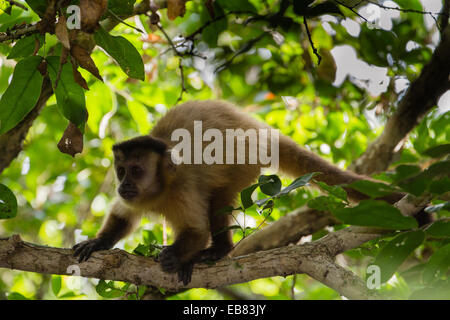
143	142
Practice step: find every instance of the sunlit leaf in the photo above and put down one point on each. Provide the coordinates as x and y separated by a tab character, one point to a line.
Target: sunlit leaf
438	265
69	95
123	52
270	185
246	196
56	284
394	253
8	203
439	229
26	46
374	213
22	93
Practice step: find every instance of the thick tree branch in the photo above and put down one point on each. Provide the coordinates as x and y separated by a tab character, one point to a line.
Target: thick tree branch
314	259
421	97
288	229
121	266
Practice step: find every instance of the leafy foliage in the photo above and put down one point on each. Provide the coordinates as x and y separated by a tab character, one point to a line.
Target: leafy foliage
256	53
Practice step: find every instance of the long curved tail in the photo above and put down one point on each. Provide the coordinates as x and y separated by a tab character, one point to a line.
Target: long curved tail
297	161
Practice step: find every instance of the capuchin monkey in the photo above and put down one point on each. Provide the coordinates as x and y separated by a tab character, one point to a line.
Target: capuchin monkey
190	195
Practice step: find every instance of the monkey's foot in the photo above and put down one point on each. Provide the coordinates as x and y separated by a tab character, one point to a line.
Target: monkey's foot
83	250
212	254
170	263
169	260
185	273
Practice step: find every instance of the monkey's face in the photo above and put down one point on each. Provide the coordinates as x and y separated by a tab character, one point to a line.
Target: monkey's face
138	175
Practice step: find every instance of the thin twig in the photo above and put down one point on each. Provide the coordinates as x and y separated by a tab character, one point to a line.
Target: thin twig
246	47
180	66
401	9
18	33
17	4
311	42
294	282
123	22
351	8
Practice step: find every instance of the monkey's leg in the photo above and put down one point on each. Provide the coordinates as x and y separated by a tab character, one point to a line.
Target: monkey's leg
222	242
118	224
179	257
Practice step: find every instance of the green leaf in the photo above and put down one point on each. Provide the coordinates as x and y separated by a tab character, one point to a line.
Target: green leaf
375	213
439	291
121	50
22	94
5	7
324	203
56	284
8	203
438	265
121	7
440	186
335	191
269	185
419	183
416	185
69	95
246	196
38	6
141	291
142	250
405	171
371	188
16	296
107	289
149	237
327	7
26	46
237	5
438	151
211	33
439	229
300	6
395	252
297	183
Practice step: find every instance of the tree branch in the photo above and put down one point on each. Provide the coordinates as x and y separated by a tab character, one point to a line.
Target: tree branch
121	266
16	34
314	259
286	230
421	97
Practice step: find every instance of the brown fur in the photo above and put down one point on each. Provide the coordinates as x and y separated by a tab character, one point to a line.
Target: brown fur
189	195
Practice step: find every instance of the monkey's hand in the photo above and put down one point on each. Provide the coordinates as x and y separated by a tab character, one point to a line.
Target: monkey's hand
83	250
170	263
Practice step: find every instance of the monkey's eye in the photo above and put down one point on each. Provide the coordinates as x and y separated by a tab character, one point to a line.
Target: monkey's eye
136	171
120	172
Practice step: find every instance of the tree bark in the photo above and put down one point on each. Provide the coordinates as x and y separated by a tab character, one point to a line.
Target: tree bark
314	259
422	95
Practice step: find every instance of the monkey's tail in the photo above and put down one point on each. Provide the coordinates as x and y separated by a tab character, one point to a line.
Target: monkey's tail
297	161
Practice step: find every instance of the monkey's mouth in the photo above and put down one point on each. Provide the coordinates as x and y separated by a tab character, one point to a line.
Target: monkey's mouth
128	194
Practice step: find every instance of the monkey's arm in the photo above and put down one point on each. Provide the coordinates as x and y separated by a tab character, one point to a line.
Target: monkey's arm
120	222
